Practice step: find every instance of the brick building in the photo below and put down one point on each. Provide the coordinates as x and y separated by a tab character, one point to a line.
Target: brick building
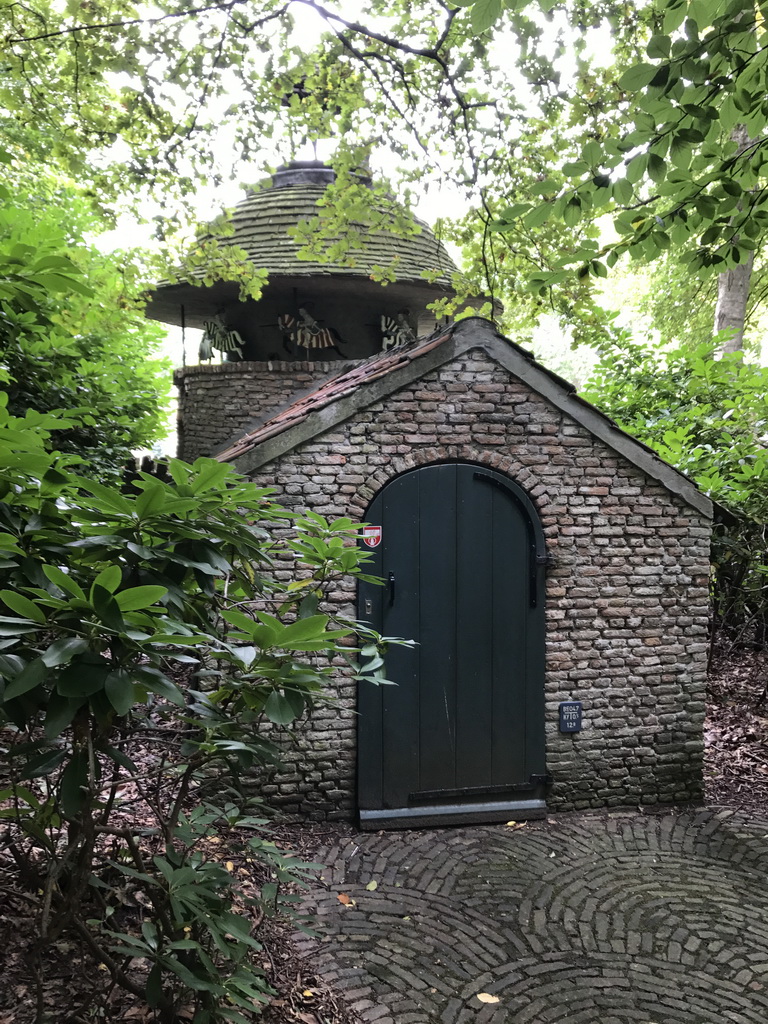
553	569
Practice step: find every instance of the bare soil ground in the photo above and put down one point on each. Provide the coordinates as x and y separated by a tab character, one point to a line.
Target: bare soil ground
736	731
76	990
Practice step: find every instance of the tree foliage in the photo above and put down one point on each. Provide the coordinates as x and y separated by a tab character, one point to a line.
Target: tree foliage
673	168
649	137
709	418
72	332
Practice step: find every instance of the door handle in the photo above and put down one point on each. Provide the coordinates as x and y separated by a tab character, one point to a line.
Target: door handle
391	589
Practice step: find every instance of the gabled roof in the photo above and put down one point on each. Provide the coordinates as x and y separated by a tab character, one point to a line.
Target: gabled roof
343	394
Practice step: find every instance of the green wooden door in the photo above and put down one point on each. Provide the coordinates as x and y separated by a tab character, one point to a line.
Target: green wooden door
461	734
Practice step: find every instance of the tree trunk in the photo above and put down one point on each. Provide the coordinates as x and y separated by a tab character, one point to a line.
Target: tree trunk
732	298
733	285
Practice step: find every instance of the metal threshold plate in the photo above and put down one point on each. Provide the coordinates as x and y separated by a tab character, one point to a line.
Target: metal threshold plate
452	814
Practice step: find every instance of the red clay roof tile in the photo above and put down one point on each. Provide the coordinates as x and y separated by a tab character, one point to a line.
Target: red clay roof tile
331	391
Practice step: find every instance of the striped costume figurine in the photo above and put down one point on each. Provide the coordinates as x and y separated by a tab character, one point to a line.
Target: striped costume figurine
306	332
220	337
396	331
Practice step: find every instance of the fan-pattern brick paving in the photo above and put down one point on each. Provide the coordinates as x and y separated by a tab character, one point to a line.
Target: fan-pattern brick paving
619	918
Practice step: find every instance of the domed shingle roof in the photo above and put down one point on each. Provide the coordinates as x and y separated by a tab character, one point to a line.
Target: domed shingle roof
261	224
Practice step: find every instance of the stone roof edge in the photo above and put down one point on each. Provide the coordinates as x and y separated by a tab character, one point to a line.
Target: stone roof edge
564	397
245	366
328	416
477	332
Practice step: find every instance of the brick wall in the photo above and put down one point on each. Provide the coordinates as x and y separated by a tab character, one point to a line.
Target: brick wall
219	401
627	593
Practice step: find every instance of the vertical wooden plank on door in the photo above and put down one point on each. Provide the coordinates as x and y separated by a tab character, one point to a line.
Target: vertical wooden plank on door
437	636
511	607
400	602
370	753
475	636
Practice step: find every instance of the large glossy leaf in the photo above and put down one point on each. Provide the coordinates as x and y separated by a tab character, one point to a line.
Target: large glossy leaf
139	597
74	779
120	691
22	605
31	676
59	714
83	678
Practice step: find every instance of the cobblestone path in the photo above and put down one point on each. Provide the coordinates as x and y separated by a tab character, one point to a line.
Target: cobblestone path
590	919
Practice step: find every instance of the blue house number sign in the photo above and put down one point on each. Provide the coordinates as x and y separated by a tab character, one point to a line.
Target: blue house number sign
570	716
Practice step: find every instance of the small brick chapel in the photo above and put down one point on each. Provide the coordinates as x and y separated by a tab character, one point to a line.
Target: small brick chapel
553	570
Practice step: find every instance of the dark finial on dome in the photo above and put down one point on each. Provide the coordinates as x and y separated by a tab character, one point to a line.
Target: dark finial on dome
303	172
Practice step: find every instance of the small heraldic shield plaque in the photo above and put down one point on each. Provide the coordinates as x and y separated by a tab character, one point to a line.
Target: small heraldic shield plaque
372	536
570	716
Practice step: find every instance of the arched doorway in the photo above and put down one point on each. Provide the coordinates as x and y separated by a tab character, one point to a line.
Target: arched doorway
460	737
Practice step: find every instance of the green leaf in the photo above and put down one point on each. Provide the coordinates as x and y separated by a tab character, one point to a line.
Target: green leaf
637	77
74	779
279	709
42	764
572	211
17	627
108	496
139	597
657	168
120	692
623	192
209	474
538	216
575	169
484	14
151	500
16	793
592	153
157	682
22	606
310	628
153	990
63	581
83	678
514	211
61	652
674	15
239	620
636	167
109	578
31	676
659	46
120	758
59	714
107	608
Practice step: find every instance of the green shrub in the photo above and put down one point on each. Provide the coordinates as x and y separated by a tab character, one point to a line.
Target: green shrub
108	597
709	418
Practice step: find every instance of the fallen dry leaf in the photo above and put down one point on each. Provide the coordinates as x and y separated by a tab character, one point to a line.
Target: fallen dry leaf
346	900
486	997
373	884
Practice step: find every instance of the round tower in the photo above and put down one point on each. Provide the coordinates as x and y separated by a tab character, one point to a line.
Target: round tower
312	318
